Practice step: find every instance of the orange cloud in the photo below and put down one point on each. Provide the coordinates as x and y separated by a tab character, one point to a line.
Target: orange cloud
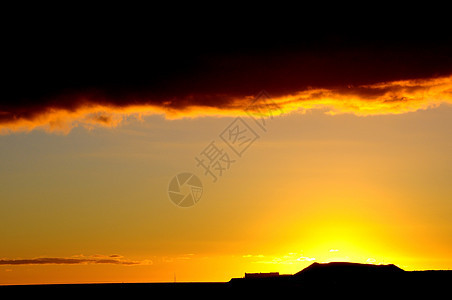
396	97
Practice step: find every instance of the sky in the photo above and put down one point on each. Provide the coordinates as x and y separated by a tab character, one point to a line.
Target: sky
334	147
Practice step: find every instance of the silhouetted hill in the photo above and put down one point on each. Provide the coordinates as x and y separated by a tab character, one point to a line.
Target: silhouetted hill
336	268
344	274
343	278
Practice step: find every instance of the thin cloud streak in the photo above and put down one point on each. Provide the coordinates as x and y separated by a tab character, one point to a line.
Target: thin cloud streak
113	259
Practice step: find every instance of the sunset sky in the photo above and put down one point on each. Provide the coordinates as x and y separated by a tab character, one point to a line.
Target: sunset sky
353	164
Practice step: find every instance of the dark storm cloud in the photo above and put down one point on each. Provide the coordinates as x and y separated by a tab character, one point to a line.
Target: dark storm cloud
190	67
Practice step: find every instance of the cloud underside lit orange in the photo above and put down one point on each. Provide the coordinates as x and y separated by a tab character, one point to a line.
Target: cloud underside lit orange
396	97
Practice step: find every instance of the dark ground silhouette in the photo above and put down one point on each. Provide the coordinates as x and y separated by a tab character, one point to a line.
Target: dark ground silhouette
320	280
